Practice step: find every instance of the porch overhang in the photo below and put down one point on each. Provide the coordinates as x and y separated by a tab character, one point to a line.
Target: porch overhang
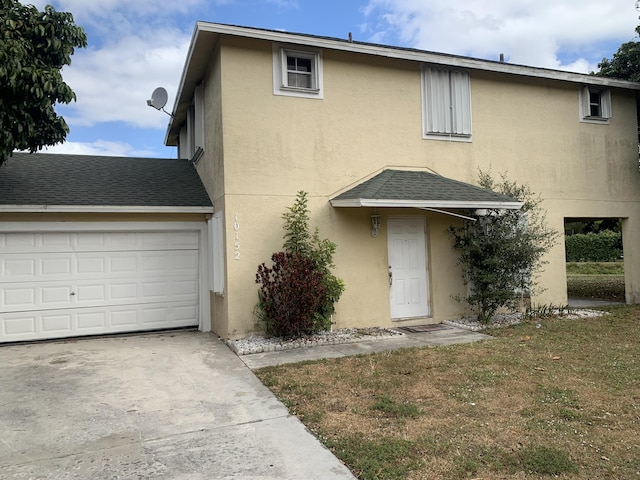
423	190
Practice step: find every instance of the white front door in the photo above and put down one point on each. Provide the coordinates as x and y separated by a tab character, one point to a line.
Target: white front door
409	292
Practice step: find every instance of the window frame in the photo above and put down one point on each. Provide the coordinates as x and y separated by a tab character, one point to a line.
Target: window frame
281	72
586	104
457	90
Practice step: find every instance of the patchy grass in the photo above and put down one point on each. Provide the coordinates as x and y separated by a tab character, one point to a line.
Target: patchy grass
595	268
558	401
599	280
603	287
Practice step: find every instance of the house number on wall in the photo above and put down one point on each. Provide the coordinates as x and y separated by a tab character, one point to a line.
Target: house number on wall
236	244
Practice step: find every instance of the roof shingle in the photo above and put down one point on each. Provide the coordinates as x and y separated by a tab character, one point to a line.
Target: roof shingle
84	180
423	188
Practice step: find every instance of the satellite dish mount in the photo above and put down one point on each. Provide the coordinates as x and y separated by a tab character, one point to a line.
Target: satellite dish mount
159	99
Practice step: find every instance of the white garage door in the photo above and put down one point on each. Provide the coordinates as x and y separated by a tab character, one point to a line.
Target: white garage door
62	284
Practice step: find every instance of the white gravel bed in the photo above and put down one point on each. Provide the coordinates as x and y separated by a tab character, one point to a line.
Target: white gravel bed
500	321
259	344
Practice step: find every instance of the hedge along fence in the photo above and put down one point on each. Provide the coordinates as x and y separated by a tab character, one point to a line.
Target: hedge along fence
604	246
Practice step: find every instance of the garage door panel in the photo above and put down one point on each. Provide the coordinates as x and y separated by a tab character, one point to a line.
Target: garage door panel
20	326
18	298
98	241
54	295
55	323
56	285
25	267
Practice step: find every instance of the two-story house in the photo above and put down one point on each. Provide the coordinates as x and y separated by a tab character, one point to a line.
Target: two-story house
388	143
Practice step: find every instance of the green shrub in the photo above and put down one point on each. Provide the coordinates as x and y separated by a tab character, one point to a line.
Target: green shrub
605	246
502	251
315	257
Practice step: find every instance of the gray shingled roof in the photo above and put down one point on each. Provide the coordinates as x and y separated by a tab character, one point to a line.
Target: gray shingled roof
84	180
403	188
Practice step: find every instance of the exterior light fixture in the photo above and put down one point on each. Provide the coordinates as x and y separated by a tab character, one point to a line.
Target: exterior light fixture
376	221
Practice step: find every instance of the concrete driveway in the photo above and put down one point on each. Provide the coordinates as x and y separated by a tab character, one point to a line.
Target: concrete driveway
160	406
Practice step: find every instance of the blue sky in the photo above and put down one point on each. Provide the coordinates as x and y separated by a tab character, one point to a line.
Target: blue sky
138	45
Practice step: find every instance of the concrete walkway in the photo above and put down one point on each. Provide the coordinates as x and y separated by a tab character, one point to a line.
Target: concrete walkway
157	406
445	336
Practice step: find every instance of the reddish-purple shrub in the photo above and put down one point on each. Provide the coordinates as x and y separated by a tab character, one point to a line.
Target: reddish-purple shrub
291	291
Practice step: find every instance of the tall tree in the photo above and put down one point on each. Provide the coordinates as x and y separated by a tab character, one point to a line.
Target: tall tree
625	63
34	46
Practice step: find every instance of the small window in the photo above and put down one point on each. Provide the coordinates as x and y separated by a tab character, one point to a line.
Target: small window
300	72
297	72
595	105
446	104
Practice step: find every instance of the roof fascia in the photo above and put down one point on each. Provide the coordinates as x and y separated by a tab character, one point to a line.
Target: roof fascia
424	204
183	77
415	55
100	209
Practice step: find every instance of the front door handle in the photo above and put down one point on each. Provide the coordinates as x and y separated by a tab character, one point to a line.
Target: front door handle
390	276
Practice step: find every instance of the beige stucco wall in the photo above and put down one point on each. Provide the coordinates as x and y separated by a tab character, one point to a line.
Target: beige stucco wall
371	118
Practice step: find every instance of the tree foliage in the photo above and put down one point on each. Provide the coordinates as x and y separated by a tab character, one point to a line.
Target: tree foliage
624	64
501	251
300	279
605	246
34	46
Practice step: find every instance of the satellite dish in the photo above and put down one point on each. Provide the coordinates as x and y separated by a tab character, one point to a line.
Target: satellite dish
158	99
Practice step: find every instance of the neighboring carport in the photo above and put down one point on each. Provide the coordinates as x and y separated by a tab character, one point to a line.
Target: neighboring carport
97	245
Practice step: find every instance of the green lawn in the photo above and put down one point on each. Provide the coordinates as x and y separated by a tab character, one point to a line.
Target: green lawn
551	398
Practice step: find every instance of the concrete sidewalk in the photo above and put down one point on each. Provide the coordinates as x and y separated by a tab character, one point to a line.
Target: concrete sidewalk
445	335
157	406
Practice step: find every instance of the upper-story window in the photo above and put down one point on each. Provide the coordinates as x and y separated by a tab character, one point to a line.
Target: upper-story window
297	72
446	104
595	104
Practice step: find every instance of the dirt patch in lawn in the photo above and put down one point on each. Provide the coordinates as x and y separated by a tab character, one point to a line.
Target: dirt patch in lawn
552	398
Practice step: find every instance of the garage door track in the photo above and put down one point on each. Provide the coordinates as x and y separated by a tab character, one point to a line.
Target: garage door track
176	405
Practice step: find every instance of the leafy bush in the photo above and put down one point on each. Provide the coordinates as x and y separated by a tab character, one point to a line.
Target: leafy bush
501	252
603	246
306	264
290	294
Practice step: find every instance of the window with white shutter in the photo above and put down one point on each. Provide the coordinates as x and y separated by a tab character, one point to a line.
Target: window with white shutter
446	104
595	105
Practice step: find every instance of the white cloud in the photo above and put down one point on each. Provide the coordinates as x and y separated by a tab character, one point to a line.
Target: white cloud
132	50
100	147
530	32
112	83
